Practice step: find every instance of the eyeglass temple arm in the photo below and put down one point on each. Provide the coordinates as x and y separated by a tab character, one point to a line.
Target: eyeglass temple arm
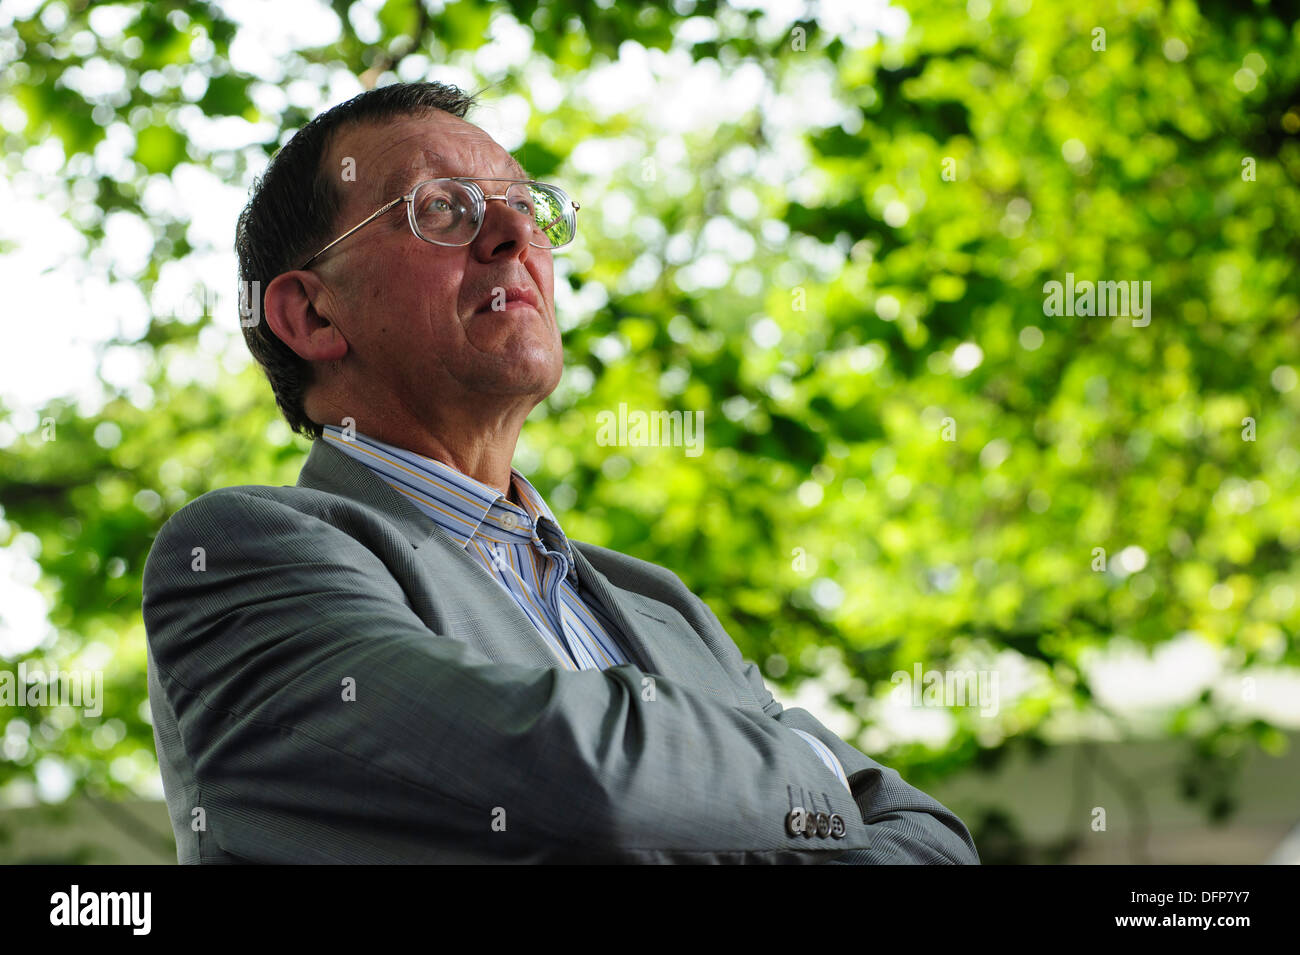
370	218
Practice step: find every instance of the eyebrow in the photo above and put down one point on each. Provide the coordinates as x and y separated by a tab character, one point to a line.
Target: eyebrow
428	160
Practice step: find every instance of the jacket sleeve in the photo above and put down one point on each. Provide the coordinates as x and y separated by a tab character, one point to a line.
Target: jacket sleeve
906	825
323	721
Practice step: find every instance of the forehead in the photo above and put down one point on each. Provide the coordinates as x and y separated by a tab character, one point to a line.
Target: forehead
391	155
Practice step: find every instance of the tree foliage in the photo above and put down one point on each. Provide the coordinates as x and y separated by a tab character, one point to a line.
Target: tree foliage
906	459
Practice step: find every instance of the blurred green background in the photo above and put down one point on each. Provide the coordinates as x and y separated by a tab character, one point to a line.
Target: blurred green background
826	226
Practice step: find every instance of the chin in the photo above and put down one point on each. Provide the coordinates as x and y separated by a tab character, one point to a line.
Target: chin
526	371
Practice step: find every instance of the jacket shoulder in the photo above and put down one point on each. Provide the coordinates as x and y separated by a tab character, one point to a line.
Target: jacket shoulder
265	505
260	497
254	519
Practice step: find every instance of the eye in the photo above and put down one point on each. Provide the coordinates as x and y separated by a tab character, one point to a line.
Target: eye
440	209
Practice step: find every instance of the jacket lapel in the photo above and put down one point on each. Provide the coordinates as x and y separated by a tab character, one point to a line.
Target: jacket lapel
328	469
496	626
657	638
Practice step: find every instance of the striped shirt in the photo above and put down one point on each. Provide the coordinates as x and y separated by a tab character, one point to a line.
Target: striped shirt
520	545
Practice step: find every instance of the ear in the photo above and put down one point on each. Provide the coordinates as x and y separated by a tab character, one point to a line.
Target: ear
291	303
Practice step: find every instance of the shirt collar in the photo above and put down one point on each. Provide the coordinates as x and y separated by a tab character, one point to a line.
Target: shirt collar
459	504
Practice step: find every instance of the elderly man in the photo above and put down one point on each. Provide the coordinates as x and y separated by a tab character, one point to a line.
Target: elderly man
404	658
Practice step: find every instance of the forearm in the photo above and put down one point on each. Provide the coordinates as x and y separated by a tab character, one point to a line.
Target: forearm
906	825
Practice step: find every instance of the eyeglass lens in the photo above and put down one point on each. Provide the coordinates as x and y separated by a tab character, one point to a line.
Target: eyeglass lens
448	211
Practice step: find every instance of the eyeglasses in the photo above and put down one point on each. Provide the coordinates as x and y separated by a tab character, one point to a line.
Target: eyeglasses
450	212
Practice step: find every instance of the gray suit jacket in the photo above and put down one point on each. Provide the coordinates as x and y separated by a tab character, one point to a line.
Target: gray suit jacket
333	679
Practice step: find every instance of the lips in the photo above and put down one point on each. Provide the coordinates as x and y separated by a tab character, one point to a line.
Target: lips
508	297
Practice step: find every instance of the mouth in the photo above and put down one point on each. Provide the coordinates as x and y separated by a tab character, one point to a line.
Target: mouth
508	299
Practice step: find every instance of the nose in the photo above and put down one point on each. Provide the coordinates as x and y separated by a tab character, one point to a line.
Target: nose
505	232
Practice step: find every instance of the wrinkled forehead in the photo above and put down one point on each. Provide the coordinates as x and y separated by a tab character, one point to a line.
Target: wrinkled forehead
403	150
428	163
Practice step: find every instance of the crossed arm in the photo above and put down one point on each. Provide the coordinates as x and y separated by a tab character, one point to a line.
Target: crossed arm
905	825
317	718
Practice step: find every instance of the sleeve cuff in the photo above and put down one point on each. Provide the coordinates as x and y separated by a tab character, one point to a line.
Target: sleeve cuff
827	757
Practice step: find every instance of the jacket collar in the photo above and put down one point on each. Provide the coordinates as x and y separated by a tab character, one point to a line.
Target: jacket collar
457	500
328	469
640	618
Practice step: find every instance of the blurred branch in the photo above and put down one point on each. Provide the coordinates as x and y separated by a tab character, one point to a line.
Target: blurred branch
16	496
1132	795
388	59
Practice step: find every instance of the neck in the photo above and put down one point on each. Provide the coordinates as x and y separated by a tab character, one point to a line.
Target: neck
479	447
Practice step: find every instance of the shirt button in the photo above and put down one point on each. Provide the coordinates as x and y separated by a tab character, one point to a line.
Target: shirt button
508	522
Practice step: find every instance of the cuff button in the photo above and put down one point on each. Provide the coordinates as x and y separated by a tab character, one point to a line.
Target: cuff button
796	821
838	829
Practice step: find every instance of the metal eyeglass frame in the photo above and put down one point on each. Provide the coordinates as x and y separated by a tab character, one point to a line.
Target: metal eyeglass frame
409	199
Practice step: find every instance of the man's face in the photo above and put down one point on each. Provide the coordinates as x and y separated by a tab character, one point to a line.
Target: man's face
418	317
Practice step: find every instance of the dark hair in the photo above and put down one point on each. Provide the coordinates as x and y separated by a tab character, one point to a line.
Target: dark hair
291	213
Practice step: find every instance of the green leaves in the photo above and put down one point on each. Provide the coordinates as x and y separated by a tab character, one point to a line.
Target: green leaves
905	459
159	148
227	95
